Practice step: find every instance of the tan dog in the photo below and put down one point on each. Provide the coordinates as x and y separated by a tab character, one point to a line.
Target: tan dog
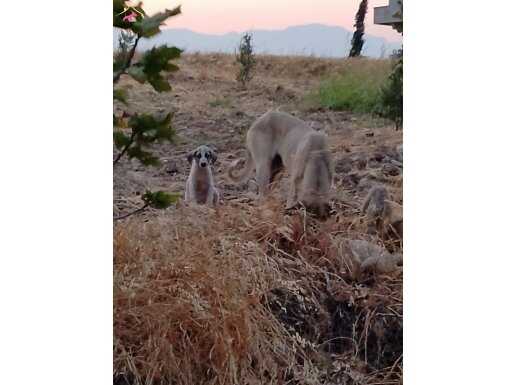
200	186
278	140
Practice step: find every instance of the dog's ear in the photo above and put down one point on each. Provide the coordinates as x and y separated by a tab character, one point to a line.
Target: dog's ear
213	157
191	155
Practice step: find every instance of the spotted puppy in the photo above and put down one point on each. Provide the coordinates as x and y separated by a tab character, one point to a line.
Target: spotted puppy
200	186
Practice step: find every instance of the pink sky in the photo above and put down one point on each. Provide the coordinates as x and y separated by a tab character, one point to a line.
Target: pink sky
220	16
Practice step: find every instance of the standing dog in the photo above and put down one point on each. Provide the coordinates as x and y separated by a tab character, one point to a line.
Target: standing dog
200	186
278	140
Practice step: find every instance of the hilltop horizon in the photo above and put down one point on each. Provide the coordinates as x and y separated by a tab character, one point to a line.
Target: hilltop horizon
308	39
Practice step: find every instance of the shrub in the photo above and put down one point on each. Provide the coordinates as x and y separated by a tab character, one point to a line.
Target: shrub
391	98
246	59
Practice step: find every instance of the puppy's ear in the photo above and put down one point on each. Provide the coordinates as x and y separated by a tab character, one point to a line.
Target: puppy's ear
213	157
191	155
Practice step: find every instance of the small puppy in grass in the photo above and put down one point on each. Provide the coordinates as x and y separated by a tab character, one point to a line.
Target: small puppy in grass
200	186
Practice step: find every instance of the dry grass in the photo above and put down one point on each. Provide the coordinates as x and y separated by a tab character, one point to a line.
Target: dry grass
247	295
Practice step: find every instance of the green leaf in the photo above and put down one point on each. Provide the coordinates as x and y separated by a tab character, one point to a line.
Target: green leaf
118	63
137	73
144	123
160	199
149	26
120	95
159	83
121	140
157	60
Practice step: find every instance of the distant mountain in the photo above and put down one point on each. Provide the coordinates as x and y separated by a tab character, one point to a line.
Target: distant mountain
312	39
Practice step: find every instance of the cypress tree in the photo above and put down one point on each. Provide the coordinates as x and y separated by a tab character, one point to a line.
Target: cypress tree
357	38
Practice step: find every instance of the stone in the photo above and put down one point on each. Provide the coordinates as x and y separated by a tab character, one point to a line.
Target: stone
372	257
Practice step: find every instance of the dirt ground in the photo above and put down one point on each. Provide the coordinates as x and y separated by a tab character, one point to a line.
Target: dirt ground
212	108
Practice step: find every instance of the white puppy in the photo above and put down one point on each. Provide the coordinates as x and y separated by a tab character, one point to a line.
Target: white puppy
200	186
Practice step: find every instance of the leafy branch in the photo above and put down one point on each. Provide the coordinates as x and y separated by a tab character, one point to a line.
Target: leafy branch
145	128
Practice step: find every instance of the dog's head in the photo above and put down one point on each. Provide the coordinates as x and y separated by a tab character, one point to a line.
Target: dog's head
314	192
203	155
317	205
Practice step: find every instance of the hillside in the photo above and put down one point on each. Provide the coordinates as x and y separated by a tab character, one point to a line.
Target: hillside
244	294
312	39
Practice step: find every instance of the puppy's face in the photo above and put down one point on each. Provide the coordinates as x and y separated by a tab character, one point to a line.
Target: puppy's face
203	156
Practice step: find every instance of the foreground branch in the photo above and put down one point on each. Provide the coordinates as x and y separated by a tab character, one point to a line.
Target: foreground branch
125	148
132	212
128	63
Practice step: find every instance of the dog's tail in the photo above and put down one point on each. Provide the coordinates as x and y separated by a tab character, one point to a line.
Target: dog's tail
245	174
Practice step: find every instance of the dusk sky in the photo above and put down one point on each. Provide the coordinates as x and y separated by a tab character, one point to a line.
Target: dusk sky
221	16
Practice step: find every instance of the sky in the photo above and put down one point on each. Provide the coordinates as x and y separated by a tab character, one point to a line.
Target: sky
221	16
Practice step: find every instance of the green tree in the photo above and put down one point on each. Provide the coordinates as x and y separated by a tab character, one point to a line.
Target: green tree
357	37
246	59
391	99
133	133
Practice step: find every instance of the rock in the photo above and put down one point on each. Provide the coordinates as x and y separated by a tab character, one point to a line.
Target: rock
343	166
378	156
350	180
372	163
372	257
390	169
360	160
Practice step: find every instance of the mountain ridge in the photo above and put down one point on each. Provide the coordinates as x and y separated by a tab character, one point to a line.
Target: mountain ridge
308	39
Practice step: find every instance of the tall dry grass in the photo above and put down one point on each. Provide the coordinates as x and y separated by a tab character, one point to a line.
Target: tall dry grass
247	295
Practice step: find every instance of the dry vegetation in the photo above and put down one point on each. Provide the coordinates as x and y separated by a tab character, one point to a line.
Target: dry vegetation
244	294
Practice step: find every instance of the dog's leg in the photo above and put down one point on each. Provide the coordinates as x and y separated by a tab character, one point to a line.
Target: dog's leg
294	188
212	198
263	174
297	175
187	191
